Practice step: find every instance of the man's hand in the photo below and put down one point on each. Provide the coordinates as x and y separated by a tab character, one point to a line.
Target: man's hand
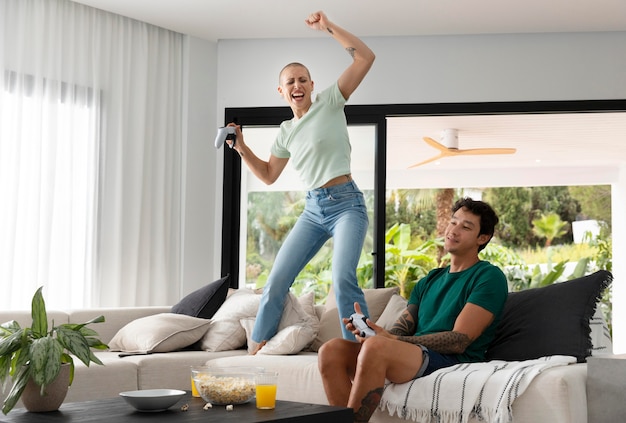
377	329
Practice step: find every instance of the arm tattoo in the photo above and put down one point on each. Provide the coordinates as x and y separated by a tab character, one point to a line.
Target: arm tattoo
443	342
351	51
407	322
330	30
368	405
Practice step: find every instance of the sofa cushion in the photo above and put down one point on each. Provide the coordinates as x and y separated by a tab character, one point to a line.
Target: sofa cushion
551	320
204	302
163	332
299	378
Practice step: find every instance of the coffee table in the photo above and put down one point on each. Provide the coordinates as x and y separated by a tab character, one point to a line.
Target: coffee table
117	410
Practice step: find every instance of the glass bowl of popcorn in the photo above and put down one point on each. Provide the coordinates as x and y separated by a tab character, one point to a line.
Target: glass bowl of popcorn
225	386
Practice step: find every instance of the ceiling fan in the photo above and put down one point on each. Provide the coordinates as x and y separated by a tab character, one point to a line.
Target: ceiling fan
449	146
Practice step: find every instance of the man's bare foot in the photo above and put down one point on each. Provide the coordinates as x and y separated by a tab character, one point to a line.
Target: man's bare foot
257	347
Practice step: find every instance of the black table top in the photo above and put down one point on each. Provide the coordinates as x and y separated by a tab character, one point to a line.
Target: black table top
116	410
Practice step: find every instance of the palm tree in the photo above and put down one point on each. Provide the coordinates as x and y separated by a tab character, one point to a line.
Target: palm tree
445	198
549	226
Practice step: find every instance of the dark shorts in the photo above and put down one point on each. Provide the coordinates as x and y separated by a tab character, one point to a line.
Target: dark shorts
434	361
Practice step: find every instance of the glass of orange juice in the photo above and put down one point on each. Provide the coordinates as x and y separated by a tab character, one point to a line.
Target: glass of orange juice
266	383
194	390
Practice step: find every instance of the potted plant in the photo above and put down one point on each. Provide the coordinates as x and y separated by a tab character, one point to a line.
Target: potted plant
39	352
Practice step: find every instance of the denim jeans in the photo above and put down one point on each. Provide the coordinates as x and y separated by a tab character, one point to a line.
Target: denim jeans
339	212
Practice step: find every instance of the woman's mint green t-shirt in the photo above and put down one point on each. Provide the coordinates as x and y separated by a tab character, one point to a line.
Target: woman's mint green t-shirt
441	295
317	144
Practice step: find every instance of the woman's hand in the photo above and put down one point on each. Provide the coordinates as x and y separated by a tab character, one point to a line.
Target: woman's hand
317	20
239	142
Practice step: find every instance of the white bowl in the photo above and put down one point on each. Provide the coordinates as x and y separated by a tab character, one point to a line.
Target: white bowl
152	399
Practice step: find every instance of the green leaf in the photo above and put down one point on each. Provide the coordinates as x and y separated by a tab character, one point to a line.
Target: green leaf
45	360
19	384
40	317
9	327
11	343
74	342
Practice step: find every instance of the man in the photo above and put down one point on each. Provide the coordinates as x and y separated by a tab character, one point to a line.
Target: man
451	317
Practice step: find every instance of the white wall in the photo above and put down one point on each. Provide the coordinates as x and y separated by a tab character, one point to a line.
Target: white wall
202	178
522	67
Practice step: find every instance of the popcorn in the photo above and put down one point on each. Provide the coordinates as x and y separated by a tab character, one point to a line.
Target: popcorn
225	390
229	407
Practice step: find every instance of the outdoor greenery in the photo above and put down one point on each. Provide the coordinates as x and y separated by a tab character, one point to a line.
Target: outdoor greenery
533	243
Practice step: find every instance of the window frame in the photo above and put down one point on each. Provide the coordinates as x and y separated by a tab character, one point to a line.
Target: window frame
371	115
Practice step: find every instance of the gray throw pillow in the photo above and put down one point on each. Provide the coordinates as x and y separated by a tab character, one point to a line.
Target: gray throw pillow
551	320
204	302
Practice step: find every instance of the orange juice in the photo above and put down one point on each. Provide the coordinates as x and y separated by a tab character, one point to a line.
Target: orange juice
194	391
266	396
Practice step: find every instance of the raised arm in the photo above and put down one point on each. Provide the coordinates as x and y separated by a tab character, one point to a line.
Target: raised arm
362	56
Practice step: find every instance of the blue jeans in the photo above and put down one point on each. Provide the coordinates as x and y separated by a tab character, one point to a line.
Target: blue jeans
339	212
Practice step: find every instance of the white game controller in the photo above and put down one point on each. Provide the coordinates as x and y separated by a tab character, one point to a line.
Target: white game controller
359	321
223	134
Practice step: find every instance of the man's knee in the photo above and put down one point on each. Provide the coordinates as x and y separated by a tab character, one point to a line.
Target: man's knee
373	349
334	351
328	351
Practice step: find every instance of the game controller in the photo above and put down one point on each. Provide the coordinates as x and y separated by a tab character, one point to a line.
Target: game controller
359	321
223	134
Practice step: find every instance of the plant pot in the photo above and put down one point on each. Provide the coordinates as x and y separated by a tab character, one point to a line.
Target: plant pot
54	395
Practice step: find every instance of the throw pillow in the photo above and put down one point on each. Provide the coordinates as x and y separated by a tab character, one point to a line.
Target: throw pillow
330	323
162	332
551	320
376	299
204	302
225	332
395	307
289	340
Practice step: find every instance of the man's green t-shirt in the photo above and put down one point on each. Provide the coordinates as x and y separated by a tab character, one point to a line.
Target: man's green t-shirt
441	295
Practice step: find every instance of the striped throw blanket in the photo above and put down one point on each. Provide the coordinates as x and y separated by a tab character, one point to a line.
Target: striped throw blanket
455	394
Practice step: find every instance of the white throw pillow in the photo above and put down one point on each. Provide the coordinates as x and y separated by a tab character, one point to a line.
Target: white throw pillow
289	340
395	307
225	332
163	332
297	328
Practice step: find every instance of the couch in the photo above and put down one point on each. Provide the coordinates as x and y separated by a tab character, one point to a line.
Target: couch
154	347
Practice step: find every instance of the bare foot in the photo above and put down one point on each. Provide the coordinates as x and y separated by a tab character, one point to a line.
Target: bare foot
257	348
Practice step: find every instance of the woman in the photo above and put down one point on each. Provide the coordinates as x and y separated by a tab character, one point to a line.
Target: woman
316	139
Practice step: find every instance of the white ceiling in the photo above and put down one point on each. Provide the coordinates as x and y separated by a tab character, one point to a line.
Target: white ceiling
541	140
222	19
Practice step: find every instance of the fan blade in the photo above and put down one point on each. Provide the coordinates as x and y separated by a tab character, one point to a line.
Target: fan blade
435	144
477	151
432	159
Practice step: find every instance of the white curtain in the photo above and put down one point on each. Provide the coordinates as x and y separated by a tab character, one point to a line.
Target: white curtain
90	157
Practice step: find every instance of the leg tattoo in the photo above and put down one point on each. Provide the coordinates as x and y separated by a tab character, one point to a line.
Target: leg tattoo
368	405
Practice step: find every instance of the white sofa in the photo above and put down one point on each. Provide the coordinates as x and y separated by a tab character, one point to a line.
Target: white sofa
557	395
